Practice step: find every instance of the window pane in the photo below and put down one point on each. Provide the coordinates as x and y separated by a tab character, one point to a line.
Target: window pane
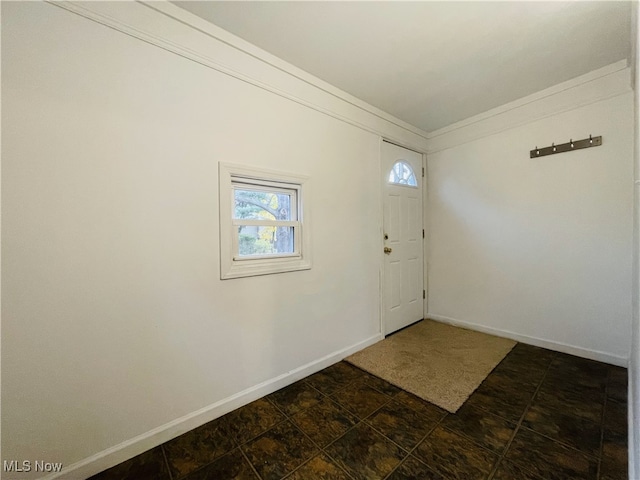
402	174
260	240
261	205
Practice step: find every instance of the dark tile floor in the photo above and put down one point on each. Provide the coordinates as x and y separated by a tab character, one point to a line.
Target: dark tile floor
540	415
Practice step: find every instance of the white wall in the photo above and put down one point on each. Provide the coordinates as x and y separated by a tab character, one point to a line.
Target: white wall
538	249
117	331
634	361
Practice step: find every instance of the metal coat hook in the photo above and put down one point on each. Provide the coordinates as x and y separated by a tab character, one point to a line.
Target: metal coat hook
566	147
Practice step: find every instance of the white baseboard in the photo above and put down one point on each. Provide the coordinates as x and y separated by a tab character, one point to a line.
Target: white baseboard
633	441
137	445
538	342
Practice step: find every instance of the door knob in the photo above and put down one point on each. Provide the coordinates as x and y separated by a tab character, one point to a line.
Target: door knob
387	250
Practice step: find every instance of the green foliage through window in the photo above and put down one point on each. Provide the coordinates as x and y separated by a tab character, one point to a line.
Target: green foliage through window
266	206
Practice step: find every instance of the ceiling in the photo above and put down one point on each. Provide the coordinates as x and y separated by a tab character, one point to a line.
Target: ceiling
432	64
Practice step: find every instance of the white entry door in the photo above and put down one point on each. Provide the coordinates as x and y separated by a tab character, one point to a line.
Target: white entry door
403	237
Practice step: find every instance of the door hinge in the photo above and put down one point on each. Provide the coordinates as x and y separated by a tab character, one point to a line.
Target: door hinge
422	172
424	294
423	233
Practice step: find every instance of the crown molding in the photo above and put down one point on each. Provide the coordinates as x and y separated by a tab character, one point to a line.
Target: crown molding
601	84
175	30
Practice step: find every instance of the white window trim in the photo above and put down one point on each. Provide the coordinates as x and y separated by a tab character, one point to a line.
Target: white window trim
232	266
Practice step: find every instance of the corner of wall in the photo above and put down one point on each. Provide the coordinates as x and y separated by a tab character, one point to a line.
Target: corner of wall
492	211
634	360
601	84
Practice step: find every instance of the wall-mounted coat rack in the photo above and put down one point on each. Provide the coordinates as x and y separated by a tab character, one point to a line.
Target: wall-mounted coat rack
566	147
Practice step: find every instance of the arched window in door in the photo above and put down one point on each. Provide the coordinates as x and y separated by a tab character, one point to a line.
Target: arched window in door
402	174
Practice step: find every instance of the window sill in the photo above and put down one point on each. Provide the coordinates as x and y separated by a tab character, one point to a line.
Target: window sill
265	266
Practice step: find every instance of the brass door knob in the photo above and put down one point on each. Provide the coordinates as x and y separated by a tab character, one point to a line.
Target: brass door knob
387	250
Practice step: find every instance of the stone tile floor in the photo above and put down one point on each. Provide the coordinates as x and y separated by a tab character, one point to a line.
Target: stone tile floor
539	415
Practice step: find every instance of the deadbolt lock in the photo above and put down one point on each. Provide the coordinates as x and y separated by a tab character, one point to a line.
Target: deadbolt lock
387	250
386	237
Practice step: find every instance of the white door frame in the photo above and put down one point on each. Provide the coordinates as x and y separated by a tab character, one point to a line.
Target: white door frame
427	233
425	240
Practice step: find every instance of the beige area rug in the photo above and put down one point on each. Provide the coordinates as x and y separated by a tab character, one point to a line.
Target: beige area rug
435	361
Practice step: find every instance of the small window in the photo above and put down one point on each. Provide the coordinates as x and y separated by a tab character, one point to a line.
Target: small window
402	174
261	222
266	218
